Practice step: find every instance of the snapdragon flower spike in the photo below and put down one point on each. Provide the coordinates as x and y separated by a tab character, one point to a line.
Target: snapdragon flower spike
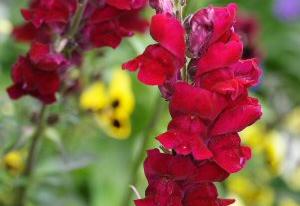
208	111
161	62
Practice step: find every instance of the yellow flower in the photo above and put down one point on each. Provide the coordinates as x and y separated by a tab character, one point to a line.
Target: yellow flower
113	106
252	193
121	97
94	98
115	126
13	162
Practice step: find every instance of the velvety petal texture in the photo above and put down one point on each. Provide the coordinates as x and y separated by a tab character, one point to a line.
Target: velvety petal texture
160	63
155	65
237	117
50	12
160	28
196	101
28	79
109	25
228	152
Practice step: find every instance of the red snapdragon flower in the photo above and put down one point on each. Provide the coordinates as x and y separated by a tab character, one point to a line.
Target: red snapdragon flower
173	180
30	80
207	26
103	23
51	12
207	111
163	6
199	116
108	25
162	61
37	74
28	33
232	81
127	4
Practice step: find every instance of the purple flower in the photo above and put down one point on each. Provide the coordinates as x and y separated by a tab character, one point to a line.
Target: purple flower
287	10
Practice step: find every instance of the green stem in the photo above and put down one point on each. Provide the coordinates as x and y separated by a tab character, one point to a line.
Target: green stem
22	189
141	151
77	19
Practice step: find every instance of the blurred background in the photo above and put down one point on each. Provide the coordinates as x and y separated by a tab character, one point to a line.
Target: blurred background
85	161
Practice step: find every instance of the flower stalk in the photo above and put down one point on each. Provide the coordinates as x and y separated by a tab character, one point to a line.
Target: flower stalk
30	162
209	105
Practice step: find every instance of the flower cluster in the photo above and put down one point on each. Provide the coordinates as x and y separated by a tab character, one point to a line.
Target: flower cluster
112	106
209	103
59	32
